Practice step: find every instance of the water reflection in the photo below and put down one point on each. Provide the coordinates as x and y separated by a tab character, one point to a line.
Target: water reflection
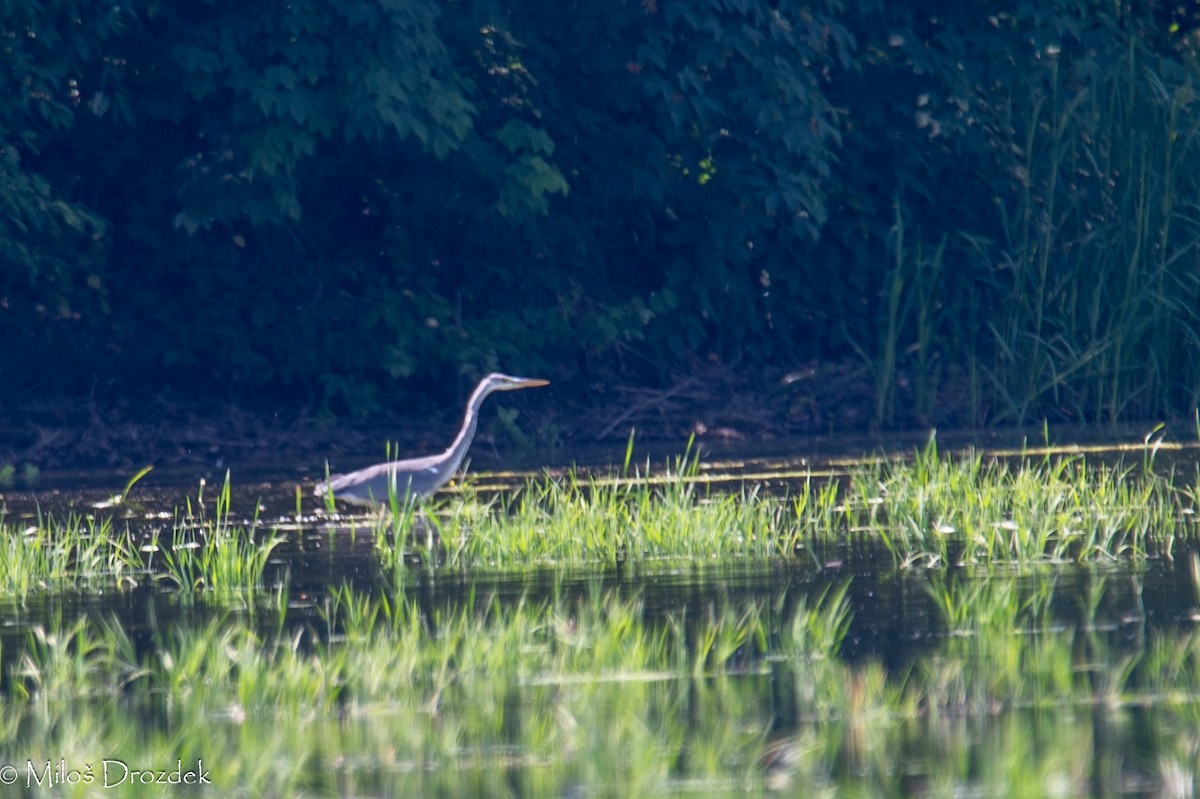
322	550
639	676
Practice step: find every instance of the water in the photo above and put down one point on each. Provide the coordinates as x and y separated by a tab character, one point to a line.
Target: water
633	678
892	609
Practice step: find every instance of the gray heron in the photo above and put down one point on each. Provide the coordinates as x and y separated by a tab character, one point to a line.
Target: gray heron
417	478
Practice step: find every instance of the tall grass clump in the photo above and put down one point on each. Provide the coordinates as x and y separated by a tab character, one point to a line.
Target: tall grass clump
577	519
1050	273
582	689
931	510
910	307
593	691
964	510
53	555
1098	248
213	558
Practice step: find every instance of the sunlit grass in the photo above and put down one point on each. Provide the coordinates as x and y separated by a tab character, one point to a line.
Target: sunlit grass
589	692
941	510
206	555
391	700
932	510
587	687
226	568
50	554
571	518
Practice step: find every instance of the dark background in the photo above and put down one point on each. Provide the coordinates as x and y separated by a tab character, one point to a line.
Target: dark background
853	216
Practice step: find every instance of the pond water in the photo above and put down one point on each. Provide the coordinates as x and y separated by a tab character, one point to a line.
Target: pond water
643	677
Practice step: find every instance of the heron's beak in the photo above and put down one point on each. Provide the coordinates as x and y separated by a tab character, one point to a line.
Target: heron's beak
532	382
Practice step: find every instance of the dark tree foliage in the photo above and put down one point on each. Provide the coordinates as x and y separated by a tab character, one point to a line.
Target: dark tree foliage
51	240
984	200
695	139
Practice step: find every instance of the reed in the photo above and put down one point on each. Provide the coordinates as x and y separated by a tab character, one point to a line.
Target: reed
55	555
590	691
953	511
589	687
1100	305
222	564
930	510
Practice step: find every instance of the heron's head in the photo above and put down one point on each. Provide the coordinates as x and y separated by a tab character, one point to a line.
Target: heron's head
500	382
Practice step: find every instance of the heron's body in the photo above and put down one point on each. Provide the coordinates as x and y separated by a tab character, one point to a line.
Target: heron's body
417	478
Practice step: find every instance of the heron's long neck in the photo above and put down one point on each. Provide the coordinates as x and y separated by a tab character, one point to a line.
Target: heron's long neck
462	442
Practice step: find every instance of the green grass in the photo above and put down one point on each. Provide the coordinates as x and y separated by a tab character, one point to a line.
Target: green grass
589	520
593	685
52	554
205	557
591	692
211	559
929	511
1058	508
390	700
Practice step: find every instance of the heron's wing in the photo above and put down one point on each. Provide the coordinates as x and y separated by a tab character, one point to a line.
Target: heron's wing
420	475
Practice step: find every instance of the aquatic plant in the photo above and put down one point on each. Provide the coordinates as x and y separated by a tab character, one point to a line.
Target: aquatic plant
54	555
930	510
940	510
587	683
587	518
592	690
